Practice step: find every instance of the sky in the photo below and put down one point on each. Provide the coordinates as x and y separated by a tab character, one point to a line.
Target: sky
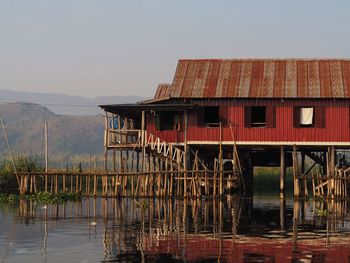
97	48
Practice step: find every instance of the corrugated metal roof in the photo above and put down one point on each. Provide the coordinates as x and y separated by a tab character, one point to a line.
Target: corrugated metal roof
162	91
259	78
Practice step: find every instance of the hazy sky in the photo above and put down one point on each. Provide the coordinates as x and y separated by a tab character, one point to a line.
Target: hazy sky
121	47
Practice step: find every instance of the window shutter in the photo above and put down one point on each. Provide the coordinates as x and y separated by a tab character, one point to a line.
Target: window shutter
319	117
247	117
200	117
296	117
270	117
223	115
157	121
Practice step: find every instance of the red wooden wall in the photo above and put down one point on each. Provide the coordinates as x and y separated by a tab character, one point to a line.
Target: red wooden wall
336	128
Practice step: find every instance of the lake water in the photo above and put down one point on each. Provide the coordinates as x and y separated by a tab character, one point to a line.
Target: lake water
167	230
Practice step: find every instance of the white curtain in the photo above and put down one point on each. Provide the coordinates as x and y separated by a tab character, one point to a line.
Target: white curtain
306	116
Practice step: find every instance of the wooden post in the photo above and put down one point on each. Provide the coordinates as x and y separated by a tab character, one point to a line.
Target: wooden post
95	178
215	177
143	153
332	170
185	153
221	190
76	182
138	174
64	183
306	193
46	154
295	172
71	182
56	183
282	173
171	186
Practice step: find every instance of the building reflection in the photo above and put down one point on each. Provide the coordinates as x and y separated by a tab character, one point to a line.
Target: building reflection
228	230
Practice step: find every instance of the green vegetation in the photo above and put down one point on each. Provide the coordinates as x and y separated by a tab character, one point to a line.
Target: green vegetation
9	187
8	183
41	197
322	213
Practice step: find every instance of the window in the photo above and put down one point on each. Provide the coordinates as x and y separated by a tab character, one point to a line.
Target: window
211	116
259	116
168	120
308	117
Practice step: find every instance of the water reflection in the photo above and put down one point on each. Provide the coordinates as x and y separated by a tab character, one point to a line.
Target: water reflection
157	230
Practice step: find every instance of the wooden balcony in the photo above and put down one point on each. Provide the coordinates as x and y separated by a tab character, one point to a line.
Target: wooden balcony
122	139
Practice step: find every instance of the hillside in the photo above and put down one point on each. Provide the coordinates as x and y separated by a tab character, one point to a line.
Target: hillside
65	104
70	137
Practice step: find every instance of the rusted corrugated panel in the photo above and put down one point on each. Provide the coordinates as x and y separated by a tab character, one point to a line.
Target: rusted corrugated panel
201	78
280	77
180	74
314	80
268	79
189	79
212	79
302	76
224	75
257	77
291	79
346	78
336	79
162	91
247	78
325	79
235	75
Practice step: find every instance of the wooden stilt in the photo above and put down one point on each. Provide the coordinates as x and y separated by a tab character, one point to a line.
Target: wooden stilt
282	172
185	153
313	184
138	173
306	193
295	172
143	147
64	188
221	186
215	177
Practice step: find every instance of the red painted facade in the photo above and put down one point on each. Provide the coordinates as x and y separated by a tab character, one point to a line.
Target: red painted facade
336	122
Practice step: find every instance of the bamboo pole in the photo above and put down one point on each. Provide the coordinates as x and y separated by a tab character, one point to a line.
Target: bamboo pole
221	187
9	150
95	178
171	187
215	177
185	153
313	184
64	183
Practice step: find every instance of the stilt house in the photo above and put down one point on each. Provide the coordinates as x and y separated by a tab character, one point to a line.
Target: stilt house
233	114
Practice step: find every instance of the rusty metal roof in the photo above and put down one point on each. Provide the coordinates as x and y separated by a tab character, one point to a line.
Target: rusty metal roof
162	91
260	78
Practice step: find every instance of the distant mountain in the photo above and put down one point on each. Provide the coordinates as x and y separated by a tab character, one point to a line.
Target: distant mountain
66	104
71	138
